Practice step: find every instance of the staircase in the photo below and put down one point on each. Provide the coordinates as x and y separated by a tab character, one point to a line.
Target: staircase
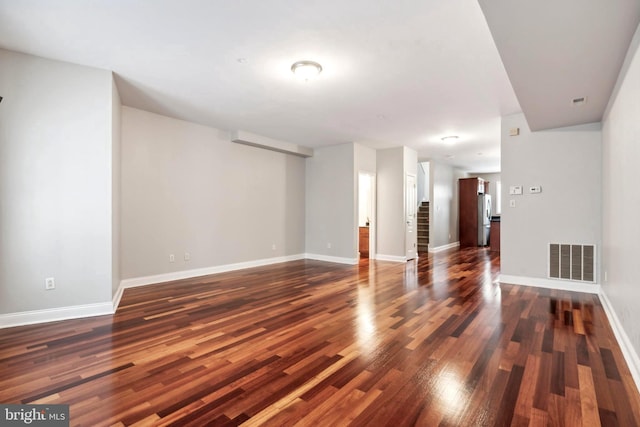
423	228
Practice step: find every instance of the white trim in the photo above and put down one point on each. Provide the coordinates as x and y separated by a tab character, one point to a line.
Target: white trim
55	314
564	285
188	274
444	247
117	297
629	353
329	258
392	258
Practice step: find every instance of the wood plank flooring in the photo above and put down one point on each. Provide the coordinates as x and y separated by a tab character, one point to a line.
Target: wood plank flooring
436	342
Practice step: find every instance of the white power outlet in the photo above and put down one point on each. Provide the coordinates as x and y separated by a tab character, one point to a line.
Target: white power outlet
187	256
328	245
273	247
172	258
49	283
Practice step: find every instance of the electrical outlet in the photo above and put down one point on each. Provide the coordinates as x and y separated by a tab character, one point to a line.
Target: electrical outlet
172	258
187	256
49	283
273	247
328	245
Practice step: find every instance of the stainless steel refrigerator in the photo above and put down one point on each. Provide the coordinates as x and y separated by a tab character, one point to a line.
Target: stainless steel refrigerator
484	219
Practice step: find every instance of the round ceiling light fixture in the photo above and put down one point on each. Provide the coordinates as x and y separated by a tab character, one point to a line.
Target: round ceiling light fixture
450	138
306	69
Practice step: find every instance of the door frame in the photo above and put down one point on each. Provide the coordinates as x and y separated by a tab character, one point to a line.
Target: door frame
410	209
371	176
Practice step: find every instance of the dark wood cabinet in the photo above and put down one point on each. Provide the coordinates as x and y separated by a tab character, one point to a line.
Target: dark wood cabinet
468	190
363	245
495	236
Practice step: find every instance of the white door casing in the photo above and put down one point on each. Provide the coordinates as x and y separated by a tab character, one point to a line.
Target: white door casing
411	208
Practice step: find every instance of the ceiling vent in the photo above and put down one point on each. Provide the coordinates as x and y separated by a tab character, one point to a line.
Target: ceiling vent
576	102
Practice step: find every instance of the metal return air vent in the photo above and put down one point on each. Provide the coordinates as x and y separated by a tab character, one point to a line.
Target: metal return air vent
572	262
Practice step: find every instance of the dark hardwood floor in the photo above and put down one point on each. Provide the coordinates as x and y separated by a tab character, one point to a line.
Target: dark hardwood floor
437	342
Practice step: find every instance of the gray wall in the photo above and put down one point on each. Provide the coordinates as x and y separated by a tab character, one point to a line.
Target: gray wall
331	202
393	164
186	188
443	208
621	197
55	183
567	164
390	202
116	111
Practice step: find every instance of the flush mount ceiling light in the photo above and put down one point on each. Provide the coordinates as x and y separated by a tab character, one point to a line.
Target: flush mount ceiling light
450	138
306	69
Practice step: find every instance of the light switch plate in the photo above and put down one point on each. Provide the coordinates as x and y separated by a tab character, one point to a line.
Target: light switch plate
515	190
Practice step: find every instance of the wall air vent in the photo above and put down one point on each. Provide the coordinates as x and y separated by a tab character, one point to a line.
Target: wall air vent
572	262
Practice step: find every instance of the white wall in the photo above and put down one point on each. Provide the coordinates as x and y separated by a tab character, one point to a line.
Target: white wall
390	202
567	164
55	183
443	208
187	188
331	202
116	111
393	164
621	197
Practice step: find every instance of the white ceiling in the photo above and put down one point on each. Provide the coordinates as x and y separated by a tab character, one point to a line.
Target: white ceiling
396	72
557	51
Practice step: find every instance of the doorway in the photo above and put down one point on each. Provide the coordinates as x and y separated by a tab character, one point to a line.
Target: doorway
366	215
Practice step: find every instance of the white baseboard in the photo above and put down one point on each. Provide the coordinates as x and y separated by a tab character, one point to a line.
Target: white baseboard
563	285
629	353
188	274
117	297
54	314
444	247
100	309
328	258
392	258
